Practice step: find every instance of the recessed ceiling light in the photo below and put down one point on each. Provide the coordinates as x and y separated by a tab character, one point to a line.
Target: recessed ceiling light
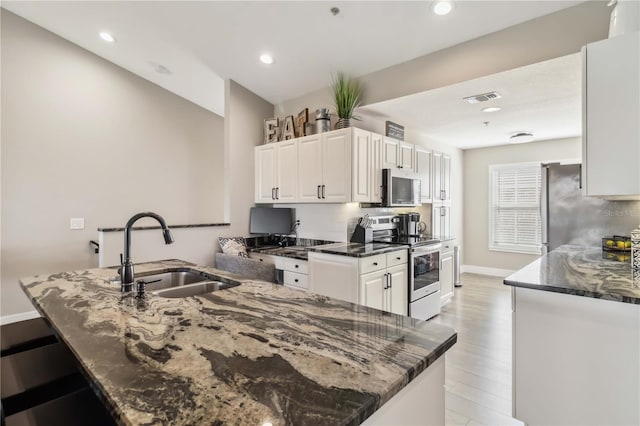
160	69
491	109
107	37
265	58
442	7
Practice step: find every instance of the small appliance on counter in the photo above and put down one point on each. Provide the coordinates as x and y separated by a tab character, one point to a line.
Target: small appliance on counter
409	224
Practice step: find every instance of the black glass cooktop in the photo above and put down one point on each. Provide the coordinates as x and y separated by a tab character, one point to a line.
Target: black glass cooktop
422	240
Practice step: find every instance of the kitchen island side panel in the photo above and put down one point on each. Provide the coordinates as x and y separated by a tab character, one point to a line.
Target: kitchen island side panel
576	360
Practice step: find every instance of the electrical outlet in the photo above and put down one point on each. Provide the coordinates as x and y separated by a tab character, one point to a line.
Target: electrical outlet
77	223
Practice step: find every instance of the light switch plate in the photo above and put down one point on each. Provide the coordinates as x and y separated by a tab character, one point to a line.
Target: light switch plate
77	223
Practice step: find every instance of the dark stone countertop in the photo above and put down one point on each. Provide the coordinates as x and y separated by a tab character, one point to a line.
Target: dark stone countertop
580	271
251	354
357	249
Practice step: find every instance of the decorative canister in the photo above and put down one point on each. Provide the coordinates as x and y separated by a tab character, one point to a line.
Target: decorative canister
635	249
323	121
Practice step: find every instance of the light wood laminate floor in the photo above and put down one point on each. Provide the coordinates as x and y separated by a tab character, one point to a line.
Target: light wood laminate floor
478	371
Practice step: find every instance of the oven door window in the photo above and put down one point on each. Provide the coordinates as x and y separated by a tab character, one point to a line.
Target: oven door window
426	270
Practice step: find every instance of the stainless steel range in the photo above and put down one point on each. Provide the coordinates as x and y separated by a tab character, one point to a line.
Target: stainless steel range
424	266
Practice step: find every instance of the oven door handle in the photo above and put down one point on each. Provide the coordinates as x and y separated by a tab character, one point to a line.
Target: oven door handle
420	250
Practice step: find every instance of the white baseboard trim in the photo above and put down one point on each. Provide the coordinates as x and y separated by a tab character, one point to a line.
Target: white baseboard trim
483	270
8	319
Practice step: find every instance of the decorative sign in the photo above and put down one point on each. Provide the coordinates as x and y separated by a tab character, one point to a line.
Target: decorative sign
271	130
301	120
394	130
288	129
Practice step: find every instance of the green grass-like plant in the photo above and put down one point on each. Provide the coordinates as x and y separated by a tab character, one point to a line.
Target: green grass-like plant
346	95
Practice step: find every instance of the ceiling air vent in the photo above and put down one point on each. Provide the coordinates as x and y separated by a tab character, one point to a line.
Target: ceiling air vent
484	97
521	137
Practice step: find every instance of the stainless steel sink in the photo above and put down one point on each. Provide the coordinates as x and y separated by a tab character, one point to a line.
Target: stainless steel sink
173	279
194	289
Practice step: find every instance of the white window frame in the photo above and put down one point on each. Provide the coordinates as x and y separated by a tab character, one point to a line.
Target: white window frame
508	247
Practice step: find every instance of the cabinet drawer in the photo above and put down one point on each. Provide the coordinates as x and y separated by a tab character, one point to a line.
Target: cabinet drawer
397	258
292	279
293	265
262	258
373	263
447	247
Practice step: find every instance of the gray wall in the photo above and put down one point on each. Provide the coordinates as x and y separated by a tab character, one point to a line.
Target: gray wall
476	195
82	137
244	115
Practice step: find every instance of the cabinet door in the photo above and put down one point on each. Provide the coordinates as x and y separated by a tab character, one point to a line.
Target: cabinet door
376	168
446	178
436	220
287	172
265	169
445	221
398	300
372	289
611	107
361	168
334	276
309	168
446	276
390	148
336	166
423	170
406	154
437	176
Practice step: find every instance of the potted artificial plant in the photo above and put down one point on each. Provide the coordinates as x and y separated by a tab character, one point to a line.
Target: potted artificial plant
346	95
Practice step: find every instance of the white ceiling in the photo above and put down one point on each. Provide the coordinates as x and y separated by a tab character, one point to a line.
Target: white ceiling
543	99
205	42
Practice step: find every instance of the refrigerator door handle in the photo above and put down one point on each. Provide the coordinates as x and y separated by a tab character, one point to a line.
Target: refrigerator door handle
544	209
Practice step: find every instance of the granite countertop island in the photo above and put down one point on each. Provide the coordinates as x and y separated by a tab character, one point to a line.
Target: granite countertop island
580	271
252	354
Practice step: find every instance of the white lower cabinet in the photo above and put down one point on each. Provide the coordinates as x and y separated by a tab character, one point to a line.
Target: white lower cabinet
334	276
576	360
294	271
379	281
446	272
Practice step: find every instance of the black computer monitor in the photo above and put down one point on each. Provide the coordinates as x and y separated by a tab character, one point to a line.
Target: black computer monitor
267	220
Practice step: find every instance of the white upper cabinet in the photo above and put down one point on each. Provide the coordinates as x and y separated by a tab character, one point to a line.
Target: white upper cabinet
390	148
441	177
363	160
275	177
324	167
611	127
376	168
397	154
423	164
336	166
286	173
406	156
265	173
309	166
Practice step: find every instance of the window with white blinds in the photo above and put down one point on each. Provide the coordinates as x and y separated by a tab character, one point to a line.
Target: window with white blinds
514	208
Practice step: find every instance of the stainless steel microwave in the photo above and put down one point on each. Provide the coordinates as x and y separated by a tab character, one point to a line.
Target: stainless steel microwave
400	189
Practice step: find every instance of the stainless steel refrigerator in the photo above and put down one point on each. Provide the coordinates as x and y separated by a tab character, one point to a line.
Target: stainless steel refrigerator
570	218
